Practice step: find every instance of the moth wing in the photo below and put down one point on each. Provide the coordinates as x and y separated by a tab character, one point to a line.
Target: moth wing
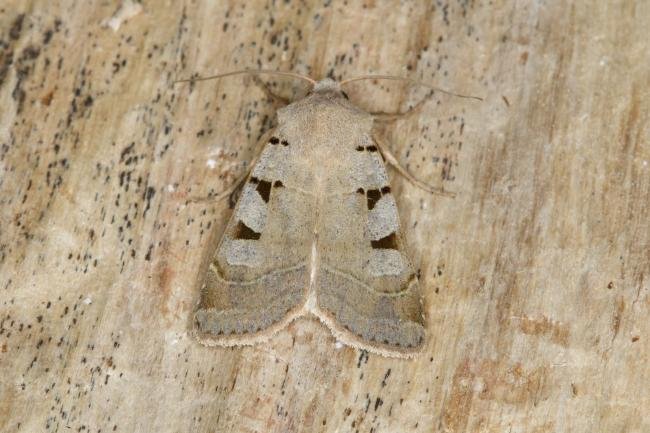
257	281
368	292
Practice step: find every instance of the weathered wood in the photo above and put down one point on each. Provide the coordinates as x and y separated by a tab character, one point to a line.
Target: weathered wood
536	275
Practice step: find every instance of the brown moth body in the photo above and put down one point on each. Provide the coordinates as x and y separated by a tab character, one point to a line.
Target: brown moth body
315	231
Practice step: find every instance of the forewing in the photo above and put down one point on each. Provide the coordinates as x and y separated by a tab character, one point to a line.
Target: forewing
257	280
368	292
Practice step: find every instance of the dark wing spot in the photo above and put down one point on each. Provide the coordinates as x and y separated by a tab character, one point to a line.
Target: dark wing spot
361	191
373	196
264	189
278	184
371	148
254	180
385	190
244	232
387	243
345	95
285	142
274	140
234	196
359	148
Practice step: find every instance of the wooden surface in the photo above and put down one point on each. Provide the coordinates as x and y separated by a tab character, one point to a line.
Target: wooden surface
536	276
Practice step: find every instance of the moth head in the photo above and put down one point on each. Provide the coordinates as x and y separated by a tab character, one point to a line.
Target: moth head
329	86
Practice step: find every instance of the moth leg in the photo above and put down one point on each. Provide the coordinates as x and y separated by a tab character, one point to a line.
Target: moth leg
380	116
390	158
221	195
276	100
238	183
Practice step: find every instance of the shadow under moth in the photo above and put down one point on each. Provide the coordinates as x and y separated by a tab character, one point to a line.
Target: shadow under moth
315	232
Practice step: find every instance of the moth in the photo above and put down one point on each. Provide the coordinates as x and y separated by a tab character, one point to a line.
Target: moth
315	232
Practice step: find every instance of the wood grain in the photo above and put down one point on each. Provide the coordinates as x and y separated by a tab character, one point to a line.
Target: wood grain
536	276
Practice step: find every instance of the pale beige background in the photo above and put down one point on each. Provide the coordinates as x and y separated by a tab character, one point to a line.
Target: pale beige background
536	276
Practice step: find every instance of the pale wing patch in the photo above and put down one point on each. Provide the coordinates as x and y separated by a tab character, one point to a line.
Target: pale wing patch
366	168
252	209
386	262
376	172
243	252
272	163
382	218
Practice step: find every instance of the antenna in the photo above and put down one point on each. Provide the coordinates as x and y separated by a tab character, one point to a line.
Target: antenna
248	71
409	80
